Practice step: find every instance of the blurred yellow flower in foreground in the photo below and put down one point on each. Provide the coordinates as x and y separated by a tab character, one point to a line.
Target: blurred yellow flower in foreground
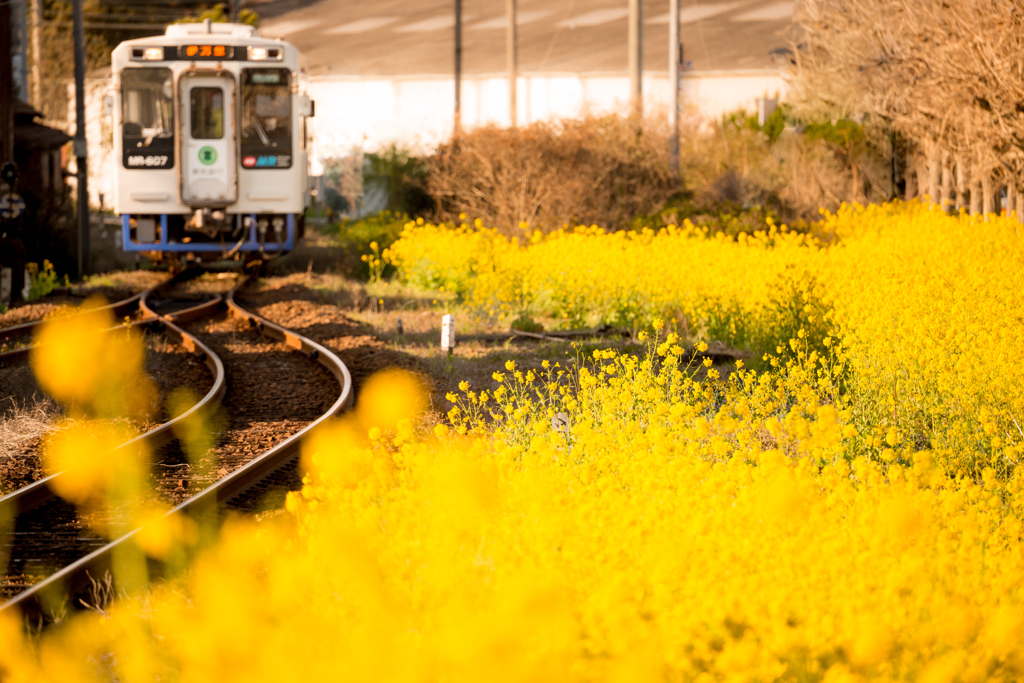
160	532
94	467
390	396
68	360
87	366
852	512
649	537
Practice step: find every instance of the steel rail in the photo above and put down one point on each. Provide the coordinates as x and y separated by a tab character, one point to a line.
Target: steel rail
182	316
39	492
118	309
78	576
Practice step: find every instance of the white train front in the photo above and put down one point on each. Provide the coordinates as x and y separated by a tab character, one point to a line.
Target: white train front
211	143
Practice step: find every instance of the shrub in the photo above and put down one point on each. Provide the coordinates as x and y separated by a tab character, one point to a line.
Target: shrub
592	170
370	237
403	178
785	170
608	171
43	280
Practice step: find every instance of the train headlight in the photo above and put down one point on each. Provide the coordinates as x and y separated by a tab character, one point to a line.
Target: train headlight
265	54
149	54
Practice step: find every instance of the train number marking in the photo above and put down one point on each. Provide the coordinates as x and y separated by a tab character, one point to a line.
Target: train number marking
138	160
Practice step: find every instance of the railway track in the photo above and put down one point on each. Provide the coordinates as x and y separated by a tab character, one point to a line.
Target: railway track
118	309
270	371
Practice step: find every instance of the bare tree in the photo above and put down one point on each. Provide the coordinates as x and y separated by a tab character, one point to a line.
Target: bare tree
948	76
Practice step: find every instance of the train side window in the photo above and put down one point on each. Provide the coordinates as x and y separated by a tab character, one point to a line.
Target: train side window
147	117
206	119
266	136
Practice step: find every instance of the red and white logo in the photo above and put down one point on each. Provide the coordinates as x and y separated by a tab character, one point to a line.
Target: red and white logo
249	162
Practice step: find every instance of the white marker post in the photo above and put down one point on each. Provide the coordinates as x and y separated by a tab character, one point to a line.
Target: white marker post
448	333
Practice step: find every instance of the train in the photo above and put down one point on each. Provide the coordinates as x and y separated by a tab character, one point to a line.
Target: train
212	143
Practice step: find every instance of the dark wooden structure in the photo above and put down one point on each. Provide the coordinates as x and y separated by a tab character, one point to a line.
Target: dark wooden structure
41	154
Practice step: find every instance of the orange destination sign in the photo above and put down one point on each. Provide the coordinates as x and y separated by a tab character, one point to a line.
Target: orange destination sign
206	51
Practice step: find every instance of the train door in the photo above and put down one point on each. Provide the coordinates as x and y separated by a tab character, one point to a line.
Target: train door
209	175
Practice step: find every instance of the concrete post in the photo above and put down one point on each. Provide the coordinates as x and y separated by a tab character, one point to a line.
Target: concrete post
675	63
458	67
512	59
82	168
636	56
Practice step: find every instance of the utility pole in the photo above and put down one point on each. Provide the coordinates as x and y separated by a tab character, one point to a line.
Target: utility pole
892	170
6	86
458	67
675	63
511	57
36	72
636	57
80	147
19	44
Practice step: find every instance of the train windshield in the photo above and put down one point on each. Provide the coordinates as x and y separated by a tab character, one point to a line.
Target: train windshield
207	109
266	140
147	117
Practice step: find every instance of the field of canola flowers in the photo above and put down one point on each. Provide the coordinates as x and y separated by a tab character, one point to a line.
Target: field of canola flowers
923	311
850	512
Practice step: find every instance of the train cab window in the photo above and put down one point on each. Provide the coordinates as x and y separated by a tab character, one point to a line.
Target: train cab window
206	113
147	118
266	139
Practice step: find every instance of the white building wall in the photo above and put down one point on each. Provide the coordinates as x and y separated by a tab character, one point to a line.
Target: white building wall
418	111
99	143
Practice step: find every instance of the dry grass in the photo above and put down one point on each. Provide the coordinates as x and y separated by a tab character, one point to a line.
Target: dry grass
610	170
134	280
794	177
20	424
595	170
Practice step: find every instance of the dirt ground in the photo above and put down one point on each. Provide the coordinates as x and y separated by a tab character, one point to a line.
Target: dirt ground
374	327
371	326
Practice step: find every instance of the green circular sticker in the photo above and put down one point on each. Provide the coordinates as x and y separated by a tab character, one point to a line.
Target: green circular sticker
207	155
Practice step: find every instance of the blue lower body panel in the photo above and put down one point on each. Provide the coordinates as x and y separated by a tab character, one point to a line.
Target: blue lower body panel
249	245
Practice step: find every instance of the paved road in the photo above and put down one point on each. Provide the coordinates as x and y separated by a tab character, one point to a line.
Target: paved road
389	37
